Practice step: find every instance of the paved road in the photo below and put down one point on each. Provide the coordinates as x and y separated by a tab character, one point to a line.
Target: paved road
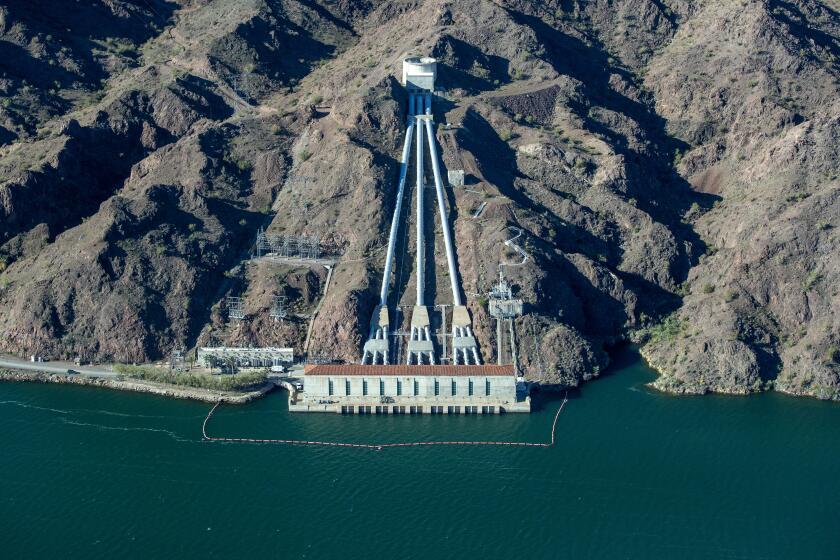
295	372
56	367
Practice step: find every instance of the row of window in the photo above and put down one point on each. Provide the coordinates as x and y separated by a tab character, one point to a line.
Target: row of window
454	388
363	409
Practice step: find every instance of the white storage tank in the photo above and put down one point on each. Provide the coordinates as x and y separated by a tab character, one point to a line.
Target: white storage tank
419	73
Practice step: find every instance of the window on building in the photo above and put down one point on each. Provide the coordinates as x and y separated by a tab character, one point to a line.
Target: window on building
454	388
416	387
399	387
346	386
487	387
437	387
470	387
330	387
364	386
381	387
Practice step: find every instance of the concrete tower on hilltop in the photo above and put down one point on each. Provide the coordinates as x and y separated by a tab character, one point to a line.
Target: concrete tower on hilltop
419	73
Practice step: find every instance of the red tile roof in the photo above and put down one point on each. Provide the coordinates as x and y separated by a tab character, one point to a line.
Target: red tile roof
375	370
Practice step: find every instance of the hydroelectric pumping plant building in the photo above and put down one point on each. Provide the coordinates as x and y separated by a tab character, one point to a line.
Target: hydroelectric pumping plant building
428	381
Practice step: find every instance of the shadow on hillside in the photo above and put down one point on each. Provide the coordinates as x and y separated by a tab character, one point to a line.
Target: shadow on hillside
457	58
658	189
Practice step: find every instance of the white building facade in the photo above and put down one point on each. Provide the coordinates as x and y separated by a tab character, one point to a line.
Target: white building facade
409	389
264	357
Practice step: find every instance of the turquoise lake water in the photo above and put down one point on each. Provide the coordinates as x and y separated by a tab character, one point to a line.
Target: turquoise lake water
91	473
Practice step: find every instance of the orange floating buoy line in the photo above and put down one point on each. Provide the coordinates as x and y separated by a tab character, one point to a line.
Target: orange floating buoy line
379	446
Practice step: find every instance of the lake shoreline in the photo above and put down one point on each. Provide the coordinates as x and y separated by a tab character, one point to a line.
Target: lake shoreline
137	386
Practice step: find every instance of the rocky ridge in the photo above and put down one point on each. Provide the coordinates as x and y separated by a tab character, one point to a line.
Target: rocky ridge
670	164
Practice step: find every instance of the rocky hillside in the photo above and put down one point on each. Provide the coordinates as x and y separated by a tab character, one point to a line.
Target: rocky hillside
670	169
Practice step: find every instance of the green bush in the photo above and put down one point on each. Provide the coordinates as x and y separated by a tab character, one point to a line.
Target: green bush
667	330
832	354
196	380
811	280
480	72
708	288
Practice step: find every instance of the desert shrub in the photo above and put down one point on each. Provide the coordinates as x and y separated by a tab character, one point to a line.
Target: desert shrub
197	380
810	280
667	330
832	354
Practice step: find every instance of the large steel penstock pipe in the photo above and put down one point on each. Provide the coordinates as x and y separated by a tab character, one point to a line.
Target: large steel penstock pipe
447	235
395	220
420	251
